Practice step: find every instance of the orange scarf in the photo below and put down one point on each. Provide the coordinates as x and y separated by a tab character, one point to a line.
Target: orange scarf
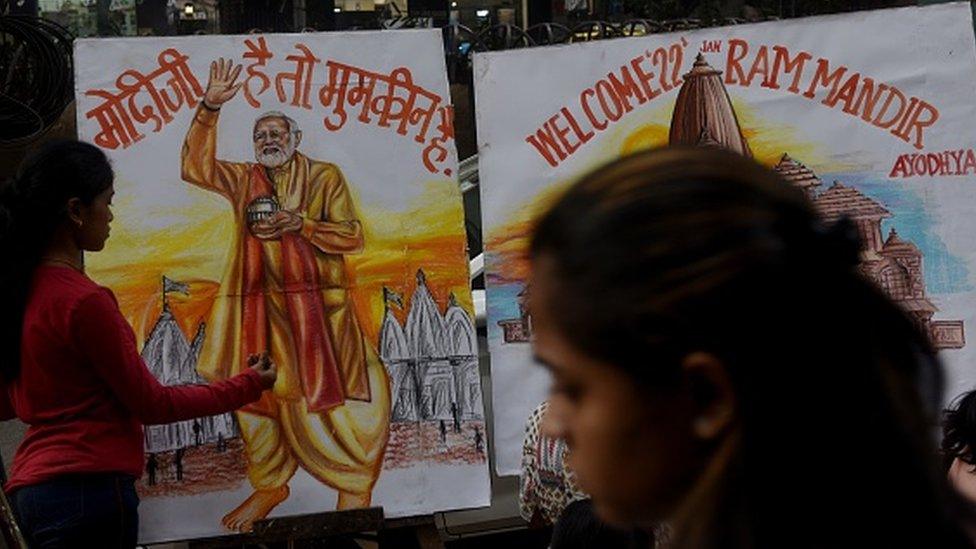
317	364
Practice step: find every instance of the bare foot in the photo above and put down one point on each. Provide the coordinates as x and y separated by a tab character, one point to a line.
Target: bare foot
256	507
348	500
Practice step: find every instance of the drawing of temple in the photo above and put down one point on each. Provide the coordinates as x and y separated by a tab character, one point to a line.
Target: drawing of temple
704	116
894	264
173	361
703	113
432	359
519	330
799	175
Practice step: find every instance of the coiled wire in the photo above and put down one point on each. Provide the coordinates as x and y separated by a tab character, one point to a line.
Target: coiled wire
36	76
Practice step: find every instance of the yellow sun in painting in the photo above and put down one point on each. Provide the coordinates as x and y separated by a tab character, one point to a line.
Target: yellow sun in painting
768	141
645	137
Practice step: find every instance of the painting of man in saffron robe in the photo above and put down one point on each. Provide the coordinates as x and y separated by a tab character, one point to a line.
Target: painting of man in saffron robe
284	290
297	194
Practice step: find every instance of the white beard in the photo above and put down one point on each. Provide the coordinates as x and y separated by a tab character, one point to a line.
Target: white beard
276	158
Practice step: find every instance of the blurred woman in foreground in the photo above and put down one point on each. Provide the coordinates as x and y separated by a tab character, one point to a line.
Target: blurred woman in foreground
720	363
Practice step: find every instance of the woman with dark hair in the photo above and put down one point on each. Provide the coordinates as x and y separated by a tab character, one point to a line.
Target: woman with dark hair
69	364
959	443
721	365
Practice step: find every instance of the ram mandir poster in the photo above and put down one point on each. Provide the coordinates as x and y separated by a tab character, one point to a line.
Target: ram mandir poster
297	194
870	113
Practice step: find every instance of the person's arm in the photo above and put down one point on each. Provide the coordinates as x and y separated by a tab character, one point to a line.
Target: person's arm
335	230
198	161
341	231
199	164
101	334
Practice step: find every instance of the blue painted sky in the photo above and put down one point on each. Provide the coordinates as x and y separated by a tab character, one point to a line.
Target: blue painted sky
502	304
944	273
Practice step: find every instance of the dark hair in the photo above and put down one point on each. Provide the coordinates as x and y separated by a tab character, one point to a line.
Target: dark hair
673	251
959	430
33	204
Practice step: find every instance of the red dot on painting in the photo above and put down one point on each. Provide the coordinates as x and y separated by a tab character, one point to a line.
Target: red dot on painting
447	172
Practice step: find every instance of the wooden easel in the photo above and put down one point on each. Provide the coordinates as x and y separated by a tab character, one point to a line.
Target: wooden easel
12	536
312	529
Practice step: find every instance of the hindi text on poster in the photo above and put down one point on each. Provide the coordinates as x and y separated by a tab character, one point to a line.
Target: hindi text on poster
390	100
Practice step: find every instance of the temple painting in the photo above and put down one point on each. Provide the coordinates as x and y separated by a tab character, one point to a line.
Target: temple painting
874	133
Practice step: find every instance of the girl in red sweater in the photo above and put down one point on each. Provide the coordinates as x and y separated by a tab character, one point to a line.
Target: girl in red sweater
69	363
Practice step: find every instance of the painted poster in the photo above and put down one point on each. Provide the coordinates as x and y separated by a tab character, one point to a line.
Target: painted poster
870	113
297	194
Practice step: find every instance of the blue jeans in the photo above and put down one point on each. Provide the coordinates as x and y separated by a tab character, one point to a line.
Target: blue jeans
79	511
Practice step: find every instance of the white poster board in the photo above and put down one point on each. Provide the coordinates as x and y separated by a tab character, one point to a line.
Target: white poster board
871	109
350	135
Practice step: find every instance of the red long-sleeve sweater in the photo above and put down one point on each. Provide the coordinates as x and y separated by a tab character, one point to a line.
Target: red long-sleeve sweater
83	389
